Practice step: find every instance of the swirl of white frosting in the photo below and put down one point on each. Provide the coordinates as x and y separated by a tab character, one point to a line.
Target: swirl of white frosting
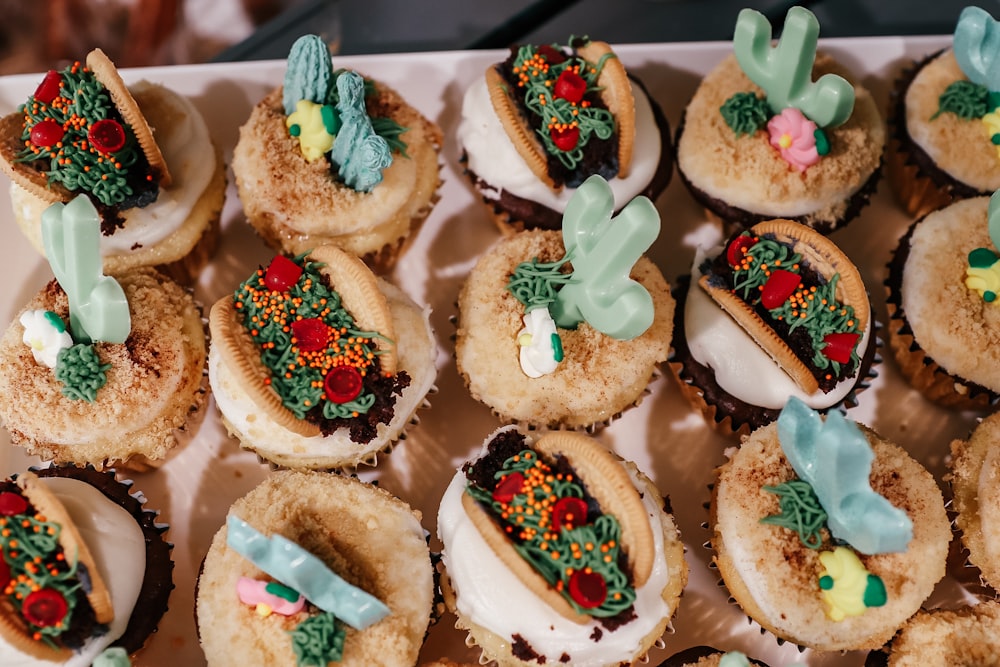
188	151
490	595
493	157
742	367
117	544
537	355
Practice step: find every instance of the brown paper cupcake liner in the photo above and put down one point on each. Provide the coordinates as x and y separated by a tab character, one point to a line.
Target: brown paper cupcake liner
185	271
918	184
694	379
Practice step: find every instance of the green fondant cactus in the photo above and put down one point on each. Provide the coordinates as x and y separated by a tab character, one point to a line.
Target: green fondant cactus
785	71
361	155
977	47
309	73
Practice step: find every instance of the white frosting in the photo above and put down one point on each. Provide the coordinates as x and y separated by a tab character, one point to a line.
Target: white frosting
117	544
742	367
255	429
494	159
490	595
187	149
537	355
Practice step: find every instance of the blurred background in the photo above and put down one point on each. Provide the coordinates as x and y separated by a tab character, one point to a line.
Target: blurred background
36	36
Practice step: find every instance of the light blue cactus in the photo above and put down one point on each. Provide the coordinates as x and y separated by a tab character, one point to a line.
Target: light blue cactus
359	153
308	74
977	47
784	72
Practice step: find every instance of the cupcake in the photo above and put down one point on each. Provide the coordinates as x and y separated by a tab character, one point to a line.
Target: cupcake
314	568
944	317
942	638
105	370
142	154
598	590
567	328
944	121
778	311
761	139
539	124
317	363
86	570
334	158
975	485
826	534
706	656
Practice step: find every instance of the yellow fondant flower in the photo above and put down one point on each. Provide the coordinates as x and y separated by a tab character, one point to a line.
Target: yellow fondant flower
992	123
307	124
848	588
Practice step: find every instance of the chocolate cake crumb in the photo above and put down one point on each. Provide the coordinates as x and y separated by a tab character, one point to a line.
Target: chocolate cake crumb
522	650
597	634
564	657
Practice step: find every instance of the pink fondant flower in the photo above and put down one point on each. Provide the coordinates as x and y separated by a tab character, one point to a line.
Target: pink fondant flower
793	135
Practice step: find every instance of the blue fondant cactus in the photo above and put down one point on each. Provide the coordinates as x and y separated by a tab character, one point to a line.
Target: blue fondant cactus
309	73
784	72
358	151
977	47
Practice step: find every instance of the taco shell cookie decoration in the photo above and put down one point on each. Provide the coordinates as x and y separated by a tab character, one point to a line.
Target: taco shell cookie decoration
334	158
82	568
580	317
826	534
575	538
945	120
547	118
317	363
141	154
777	131
316	569
90	348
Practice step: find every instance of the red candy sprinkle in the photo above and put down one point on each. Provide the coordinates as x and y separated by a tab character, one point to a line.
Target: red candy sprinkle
311	334
342	384
570	86
107	135
587	589
779	286
11	504
565	140
44	607
508	487
48	89
46	133
569	513
839	346
737	249
282	273
552	55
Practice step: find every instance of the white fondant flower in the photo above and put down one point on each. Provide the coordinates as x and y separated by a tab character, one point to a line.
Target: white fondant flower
541	350
45	333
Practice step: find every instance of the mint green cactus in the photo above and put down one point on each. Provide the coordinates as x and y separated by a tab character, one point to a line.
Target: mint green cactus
785	71
308	74
977	47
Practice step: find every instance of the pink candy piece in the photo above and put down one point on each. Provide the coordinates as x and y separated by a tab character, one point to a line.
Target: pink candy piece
253	592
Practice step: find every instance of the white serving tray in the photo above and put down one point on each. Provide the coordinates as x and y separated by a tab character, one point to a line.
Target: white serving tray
663	435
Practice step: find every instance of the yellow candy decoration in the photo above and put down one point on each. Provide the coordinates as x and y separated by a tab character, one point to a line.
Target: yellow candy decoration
314	140
847	587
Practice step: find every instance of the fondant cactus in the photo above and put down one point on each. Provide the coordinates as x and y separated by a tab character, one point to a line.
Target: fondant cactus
308	74
603	251
359	153
784	72
977	47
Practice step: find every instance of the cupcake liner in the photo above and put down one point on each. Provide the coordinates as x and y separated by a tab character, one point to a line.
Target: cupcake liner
384	260
918	184
157	584
689	373
920	370
186	270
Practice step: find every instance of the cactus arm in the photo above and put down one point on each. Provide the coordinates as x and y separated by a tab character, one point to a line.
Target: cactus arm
977	47
993	217
784	72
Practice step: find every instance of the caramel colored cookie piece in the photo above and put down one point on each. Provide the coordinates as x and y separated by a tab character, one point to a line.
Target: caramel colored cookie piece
525	142
823	257
32	180
616	91
107	74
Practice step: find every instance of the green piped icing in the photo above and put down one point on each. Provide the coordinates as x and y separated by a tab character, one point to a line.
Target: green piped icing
536	85
113	656
23	538
75	163
552	552
266	314
81	372
965	99
318	641
800	511
535	284
814	308
745	113
308	74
